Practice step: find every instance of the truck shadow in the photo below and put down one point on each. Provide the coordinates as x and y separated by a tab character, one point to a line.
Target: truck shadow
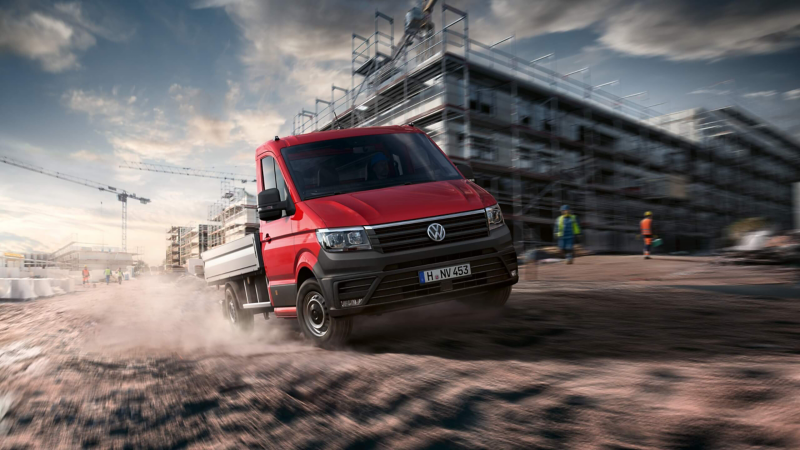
641	324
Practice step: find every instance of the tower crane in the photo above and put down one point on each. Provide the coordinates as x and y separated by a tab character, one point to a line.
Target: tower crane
188	171
122	195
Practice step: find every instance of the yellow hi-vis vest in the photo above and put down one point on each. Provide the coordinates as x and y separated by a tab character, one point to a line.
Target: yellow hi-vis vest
575	229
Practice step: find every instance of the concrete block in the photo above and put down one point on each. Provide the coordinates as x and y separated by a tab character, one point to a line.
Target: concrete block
22	289
5	288
42	288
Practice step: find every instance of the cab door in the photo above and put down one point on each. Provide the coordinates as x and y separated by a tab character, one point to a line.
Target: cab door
277	240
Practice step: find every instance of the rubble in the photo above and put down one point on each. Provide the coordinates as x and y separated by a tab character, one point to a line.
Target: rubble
764	247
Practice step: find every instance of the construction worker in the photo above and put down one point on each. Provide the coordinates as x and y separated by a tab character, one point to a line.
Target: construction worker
566	230
85	275
119	275
646	225
108	275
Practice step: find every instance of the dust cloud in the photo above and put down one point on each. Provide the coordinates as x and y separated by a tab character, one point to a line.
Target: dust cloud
182	316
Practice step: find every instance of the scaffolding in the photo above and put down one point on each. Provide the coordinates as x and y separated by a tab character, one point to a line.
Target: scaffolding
537	138
236	216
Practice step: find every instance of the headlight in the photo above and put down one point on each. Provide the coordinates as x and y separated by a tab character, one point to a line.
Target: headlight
494	217
343	239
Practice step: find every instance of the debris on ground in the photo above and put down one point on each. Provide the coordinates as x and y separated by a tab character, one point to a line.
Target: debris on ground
764	247
607	363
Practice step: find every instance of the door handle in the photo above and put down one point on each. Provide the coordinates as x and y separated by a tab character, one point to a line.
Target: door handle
267	238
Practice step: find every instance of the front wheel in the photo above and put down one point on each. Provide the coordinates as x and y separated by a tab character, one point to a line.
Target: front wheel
313	314
238	317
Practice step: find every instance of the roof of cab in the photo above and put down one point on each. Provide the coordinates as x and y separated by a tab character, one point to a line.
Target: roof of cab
317	136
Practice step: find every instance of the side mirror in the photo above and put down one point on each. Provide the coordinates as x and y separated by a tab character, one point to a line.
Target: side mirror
270	206
466	171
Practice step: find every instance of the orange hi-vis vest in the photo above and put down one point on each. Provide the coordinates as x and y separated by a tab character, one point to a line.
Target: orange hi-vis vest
645	225
85	273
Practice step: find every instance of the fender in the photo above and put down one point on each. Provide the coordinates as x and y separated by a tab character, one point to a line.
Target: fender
307	260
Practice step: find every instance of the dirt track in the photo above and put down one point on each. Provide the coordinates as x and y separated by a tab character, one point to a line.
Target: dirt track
603	365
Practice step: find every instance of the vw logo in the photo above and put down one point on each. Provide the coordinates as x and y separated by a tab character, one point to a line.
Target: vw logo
436	232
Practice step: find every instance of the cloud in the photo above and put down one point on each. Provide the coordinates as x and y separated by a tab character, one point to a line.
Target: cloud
86	155
794	94
15	242
526	18
209	131
255	127
95	104
682	30
54	37
97	19
710	92
136	133
760	94
51	42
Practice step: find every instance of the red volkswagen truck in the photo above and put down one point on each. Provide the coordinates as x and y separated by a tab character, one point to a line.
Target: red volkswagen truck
362	221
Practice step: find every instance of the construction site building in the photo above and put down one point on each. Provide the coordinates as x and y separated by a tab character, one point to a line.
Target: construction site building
12	260
38	259
75	255
194	240
538	139
173	254
235	216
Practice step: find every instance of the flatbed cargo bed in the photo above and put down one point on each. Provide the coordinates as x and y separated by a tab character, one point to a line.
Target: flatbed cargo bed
233	260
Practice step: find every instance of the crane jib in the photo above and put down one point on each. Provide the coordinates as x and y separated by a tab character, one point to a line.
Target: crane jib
123	197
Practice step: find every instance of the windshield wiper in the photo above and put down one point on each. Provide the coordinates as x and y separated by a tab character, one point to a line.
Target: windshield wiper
324	195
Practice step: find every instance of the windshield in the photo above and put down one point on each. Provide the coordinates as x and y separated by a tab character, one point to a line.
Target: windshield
362	163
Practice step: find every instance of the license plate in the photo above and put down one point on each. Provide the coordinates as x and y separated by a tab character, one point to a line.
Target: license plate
445	273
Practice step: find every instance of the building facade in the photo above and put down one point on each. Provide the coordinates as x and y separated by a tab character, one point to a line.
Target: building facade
235	217
538	139
173	253
194	241
75	255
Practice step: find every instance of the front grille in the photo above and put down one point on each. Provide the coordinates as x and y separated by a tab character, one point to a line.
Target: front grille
353	289
436	259
406	285
511	260
414	234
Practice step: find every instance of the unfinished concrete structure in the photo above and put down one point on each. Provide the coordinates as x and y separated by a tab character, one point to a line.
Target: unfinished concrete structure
194	240
235	216
537	139
75	255
173	254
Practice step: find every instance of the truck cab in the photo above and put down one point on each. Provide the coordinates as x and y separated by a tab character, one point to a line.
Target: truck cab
363	221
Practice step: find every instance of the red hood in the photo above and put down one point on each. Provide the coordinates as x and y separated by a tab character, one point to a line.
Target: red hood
398	203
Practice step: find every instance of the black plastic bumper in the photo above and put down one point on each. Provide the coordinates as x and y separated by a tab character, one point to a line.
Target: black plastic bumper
375	270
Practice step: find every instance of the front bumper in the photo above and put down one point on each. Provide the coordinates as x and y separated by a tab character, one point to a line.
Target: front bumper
388	282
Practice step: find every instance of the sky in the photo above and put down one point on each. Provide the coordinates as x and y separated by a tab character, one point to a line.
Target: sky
88	85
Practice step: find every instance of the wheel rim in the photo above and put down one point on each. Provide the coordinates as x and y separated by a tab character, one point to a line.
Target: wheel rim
232	313
315	314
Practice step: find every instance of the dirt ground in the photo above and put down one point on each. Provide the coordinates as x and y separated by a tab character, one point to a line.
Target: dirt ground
604	354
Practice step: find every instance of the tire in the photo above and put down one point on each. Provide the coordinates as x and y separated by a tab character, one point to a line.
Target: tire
495	299
314	318
237	317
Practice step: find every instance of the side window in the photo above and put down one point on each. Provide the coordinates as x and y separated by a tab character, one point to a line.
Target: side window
280	183
273	178
268	171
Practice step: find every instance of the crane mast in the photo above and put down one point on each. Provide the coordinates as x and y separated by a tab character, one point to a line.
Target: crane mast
122	195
